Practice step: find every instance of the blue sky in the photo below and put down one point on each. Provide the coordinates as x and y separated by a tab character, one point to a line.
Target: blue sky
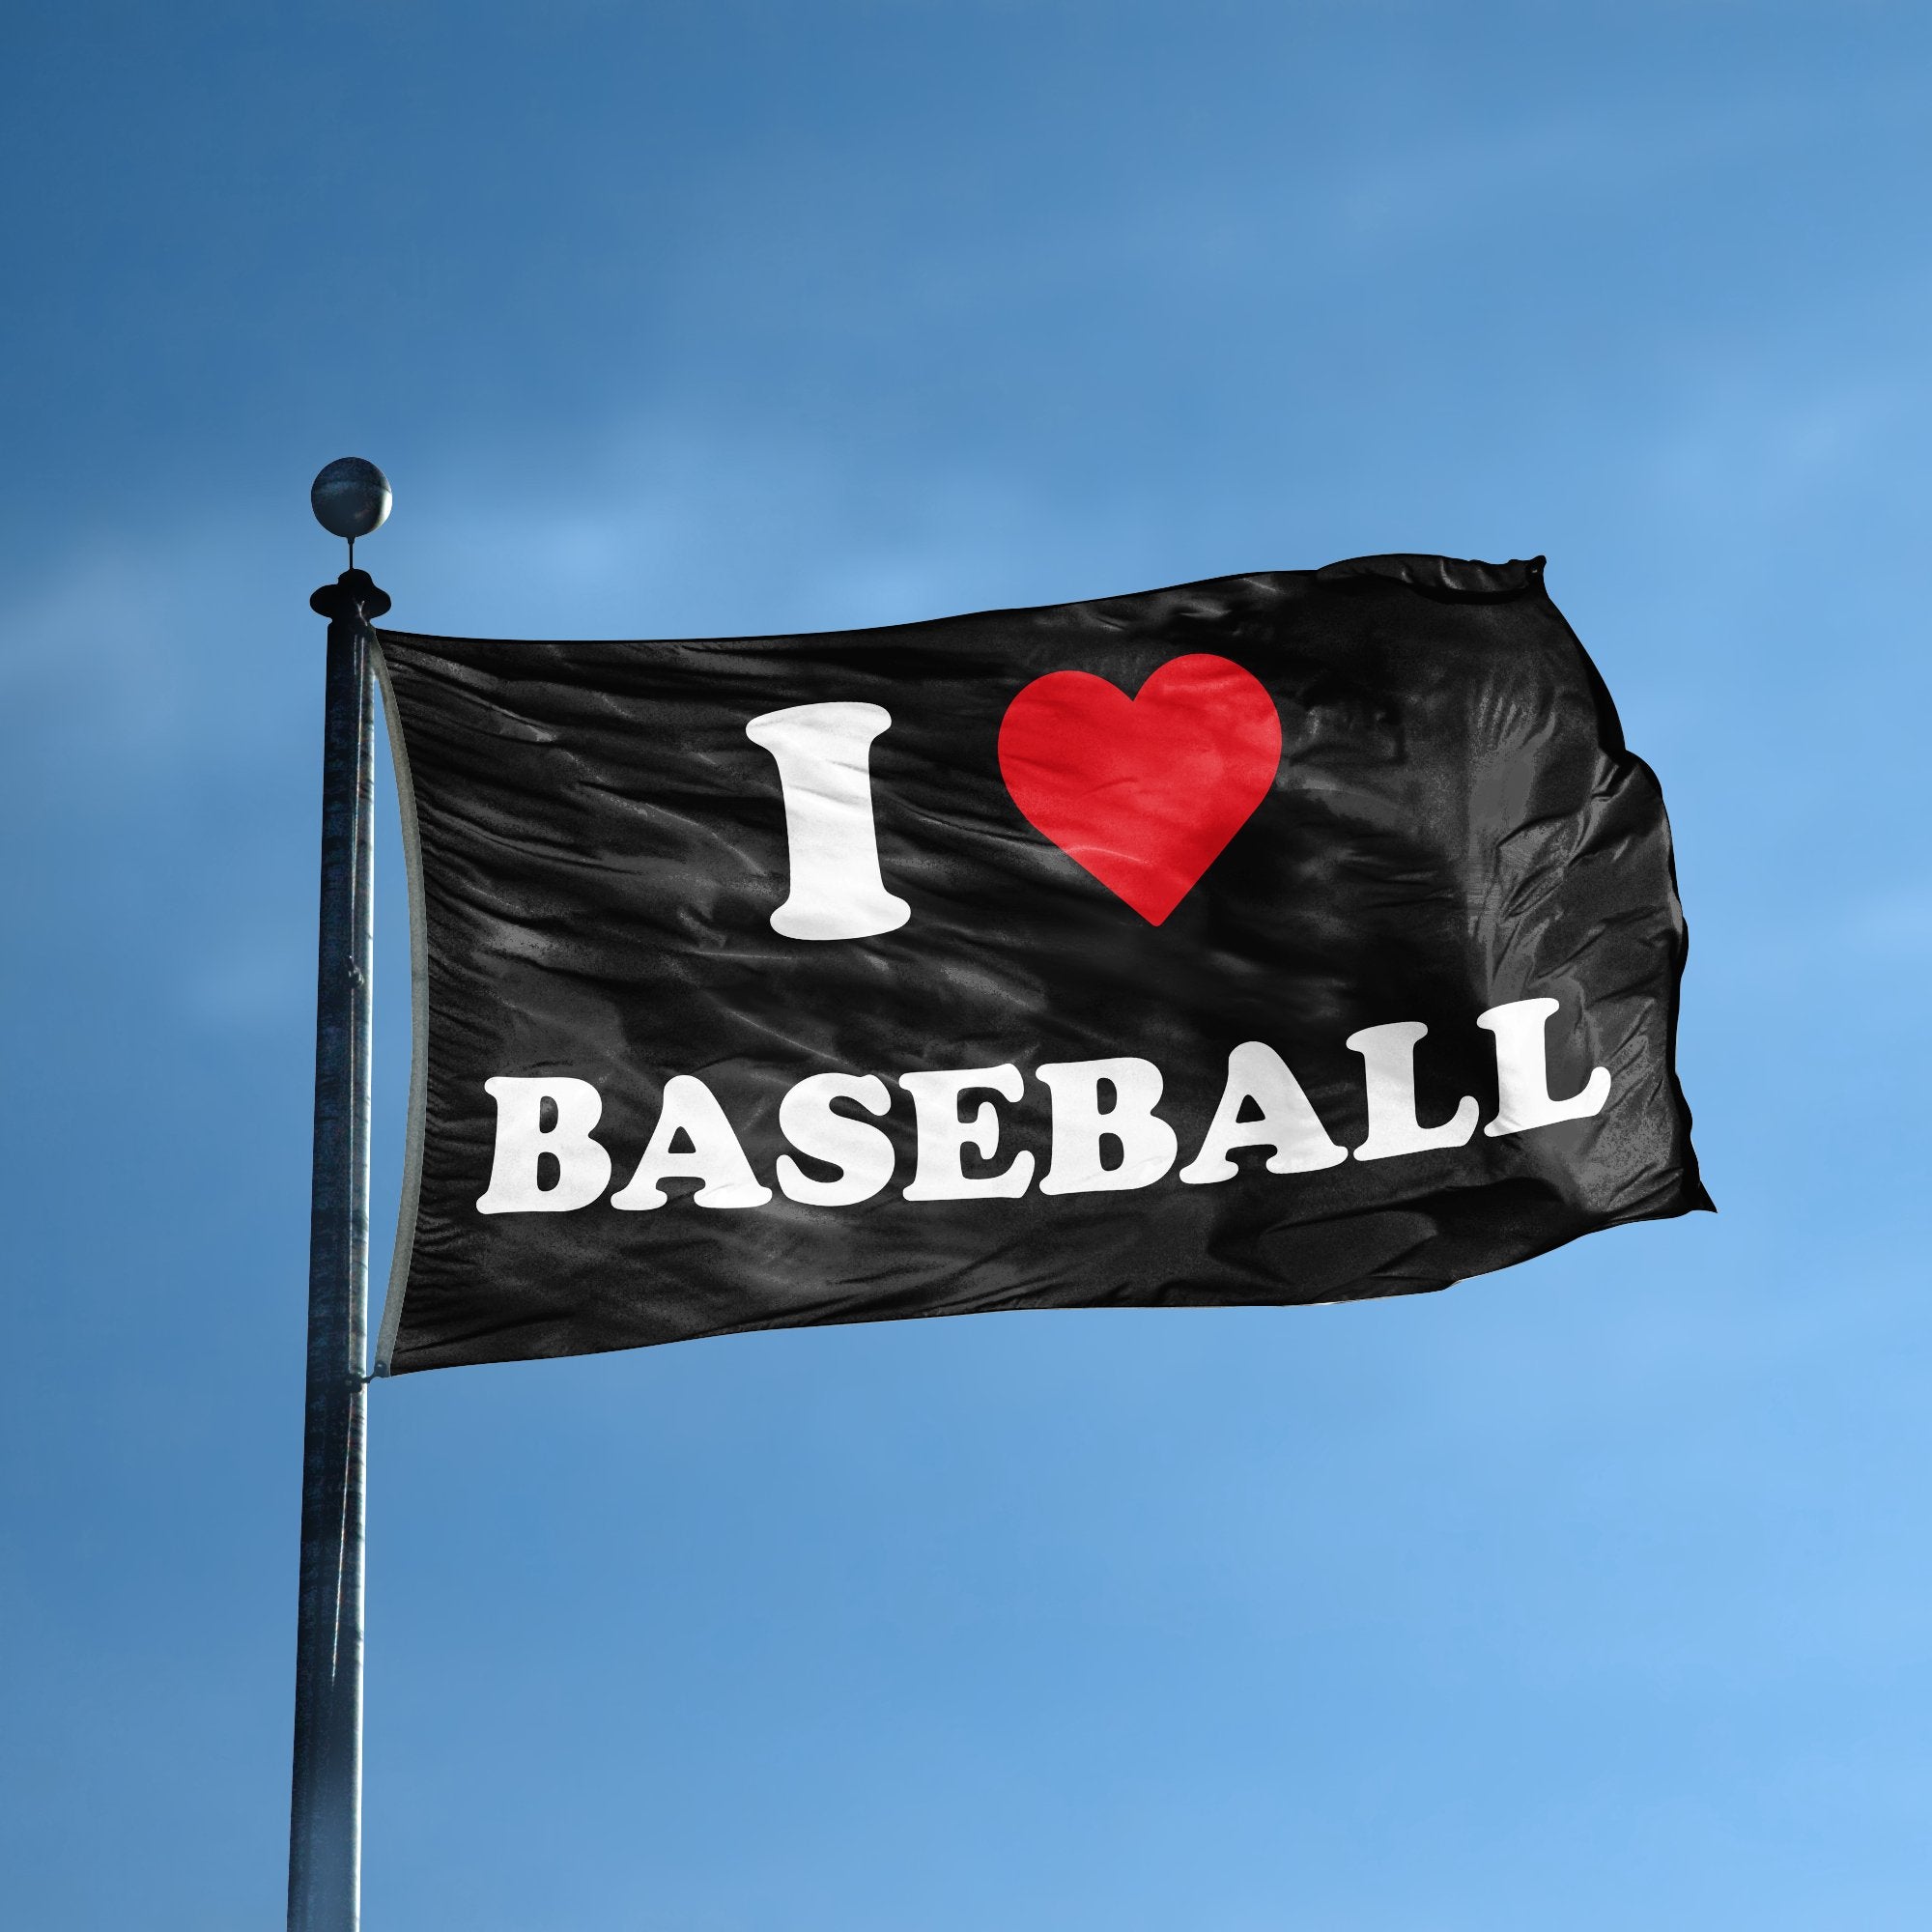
1592	1595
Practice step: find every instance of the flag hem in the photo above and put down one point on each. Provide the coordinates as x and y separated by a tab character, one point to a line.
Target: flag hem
412	1152
1449	579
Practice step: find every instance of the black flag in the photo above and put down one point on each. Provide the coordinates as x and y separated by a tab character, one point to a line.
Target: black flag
1285	938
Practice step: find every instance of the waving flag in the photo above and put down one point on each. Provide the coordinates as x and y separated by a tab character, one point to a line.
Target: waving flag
1285	938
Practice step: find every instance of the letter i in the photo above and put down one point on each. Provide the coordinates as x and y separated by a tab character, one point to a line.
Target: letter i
823	755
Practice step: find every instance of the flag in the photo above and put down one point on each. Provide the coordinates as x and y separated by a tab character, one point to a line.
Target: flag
1294	937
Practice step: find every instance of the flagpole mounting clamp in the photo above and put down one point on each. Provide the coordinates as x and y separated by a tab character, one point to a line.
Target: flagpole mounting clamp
354	598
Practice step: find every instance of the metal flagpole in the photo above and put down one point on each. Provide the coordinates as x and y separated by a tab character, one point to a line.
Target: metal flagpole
350	499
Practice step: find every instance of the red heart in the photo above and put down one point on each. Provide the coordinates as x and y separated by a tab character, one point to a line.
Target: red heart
1142	791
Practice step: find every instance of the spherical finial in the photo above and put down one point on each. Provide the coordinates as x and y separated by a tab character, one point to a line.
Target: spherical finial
350	497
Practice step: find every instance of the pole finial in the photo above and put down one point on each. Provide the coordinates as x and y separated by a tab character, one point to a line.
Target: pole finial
350	497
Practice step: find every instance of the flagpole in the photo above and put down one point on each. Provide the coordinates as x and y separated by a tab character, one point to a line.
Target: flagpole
326	1809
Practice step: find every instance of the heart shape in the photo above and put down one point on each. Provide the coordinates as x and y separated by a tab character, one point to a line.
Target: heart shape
1144	792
